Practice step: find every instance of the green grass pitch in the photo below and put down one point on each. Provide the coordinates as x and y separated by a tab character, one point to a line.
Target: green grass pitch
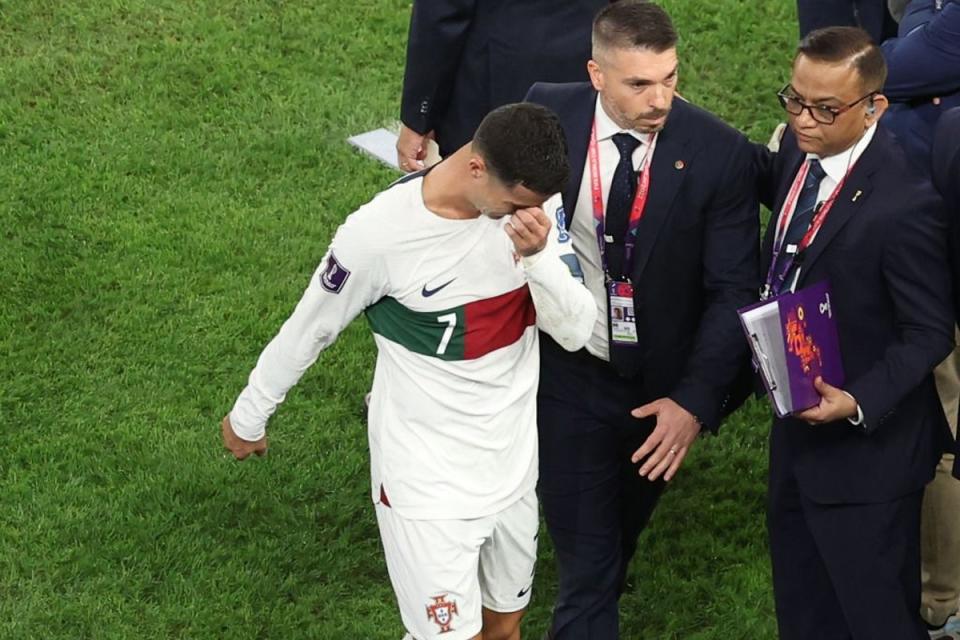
170	175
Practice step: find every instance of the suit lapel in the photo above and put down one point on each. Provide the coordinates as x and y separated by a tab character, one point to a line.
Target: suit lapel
667	170
856	190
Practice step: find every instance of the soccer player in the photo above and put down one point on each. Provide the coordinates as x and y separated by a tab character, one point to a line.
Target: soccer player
456	269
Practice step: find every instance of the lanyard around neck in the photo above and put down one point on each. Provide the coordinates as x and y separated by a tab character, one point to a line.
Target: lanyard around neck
639	200
774	283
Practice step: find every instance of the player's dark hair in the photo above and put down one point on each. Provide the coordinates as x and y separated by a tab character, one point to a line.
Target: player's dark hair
633	24
524	144
847	44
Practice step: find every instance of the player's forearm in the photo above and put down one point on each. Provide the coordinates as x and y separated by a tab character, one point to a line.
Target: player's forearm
565	308
314	325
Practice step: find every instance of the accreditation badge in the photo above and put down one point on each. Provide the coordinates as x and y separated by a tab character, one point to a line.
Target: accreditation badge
623	319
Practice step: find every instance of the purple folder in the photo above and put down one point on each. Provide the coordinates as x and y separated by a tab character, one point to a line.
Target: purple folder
794	339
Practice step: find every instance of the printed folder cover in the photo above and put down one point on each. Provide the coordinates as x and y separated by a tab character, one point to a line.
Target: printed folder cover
810	338
793	338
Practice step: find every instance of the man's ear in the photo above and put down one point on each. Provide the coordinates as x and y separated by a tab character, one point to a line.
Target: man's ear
476	165
876	107
596	74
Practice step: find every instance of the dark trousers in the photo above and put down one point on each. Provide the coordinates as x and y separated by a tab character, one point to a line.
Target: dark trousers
844	571
594	502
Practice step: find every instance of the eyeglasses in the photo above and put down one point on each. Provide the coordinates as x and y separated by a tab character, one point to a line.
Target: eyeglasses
822	113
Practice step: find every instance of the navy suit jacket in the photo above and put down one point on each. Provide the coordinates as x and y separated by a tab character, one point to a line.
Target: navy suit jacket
467	57
946	178
923	64
883	249
696	260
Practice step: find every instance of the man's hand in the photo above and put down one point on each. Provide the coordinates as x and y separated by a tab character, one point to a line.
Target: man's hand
834	404
239	447
411	149
528	228
676	430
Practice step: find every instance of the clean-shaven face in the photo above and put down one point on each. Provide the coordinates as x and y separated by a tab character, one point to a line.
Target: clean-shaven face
636	85
833	84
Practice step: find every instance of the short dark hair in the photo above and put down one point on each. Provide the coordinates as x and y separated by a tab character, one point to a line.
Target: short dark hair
524	144
847	44
633	24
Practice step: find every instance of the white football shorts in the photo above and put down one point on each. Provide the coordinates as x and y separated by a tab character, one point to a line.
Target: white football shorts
444	571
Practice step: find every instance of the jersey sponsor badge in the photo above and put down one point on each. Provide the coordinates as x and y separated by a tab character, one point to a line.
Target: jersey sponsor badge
334	275
442	612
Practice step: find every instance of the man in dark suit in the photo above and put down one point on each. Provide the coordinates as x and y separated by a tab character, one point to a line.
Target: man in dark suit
664	221
467	57
941	502
847	476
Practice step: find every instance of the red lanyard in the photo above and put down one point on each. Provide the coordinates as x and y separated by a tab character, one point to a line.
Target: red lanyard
786	214
639	200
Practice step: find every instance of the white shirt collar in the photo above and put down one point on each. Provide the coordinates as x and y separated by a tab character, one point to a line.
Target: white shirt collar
606	127
836	166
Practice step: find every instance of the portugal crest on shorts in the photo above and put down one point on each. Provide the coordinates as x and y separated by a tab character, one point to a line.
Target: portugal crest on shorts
442	612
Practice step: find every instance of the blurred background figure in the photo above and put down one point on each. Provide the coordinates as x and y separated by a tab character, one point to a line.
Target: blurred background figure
924	73
466	57
940	528
872	16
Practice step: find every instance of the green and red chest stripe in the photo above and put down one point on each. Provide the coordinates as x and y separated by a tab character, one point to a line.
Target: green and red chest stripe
466	332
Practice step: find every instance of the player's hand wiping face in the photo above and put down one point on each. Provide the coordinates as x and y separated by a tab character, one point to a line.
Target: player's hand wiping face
529	229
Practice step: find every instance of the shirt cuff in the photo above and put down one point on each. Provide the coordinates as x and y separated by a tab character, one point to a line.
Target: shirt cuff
858	420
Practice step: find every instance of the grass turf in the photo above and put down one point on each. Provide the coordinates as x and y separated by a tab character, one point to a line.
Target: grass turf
172	172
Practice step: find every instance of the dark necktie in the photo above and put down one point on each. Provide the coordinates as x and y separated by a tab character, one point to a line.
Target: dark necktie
623	188
802	217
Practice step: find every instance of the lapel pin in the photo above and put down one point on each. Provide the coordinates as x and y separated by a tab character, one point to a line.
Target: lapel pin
678	165
856	195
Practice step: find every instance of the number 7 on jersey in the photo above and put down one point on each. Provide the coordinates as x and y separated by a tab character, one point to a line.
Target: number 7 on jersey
451	321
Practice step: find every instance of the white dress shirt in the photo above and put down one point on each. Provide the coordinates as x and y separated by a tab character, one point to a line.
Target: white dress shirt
582	229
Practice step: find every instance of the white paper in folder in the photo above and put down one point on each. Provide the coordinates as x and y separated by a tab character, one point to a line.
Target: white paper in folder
762	324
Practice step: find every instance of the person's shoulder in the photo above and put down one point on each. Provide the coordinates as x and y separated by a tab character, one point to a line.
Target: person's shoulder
888	157
558	93
703	124
898	184
377	222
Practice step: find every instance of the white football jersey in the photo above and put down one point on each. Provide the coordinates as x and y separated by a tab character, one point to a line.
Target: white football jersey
455	312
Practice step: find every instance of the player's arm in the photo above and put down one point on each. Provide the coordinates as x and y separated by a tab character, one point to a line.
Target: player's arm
565	308
351	277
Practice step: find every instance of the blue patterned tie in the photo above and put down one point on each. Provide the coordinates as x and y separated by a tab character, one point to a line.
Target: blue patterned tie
802	217
623	188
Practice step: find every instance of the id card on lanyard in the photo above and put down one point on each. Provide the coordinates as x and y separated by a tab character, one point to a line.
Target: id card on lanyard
776	278
620	306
